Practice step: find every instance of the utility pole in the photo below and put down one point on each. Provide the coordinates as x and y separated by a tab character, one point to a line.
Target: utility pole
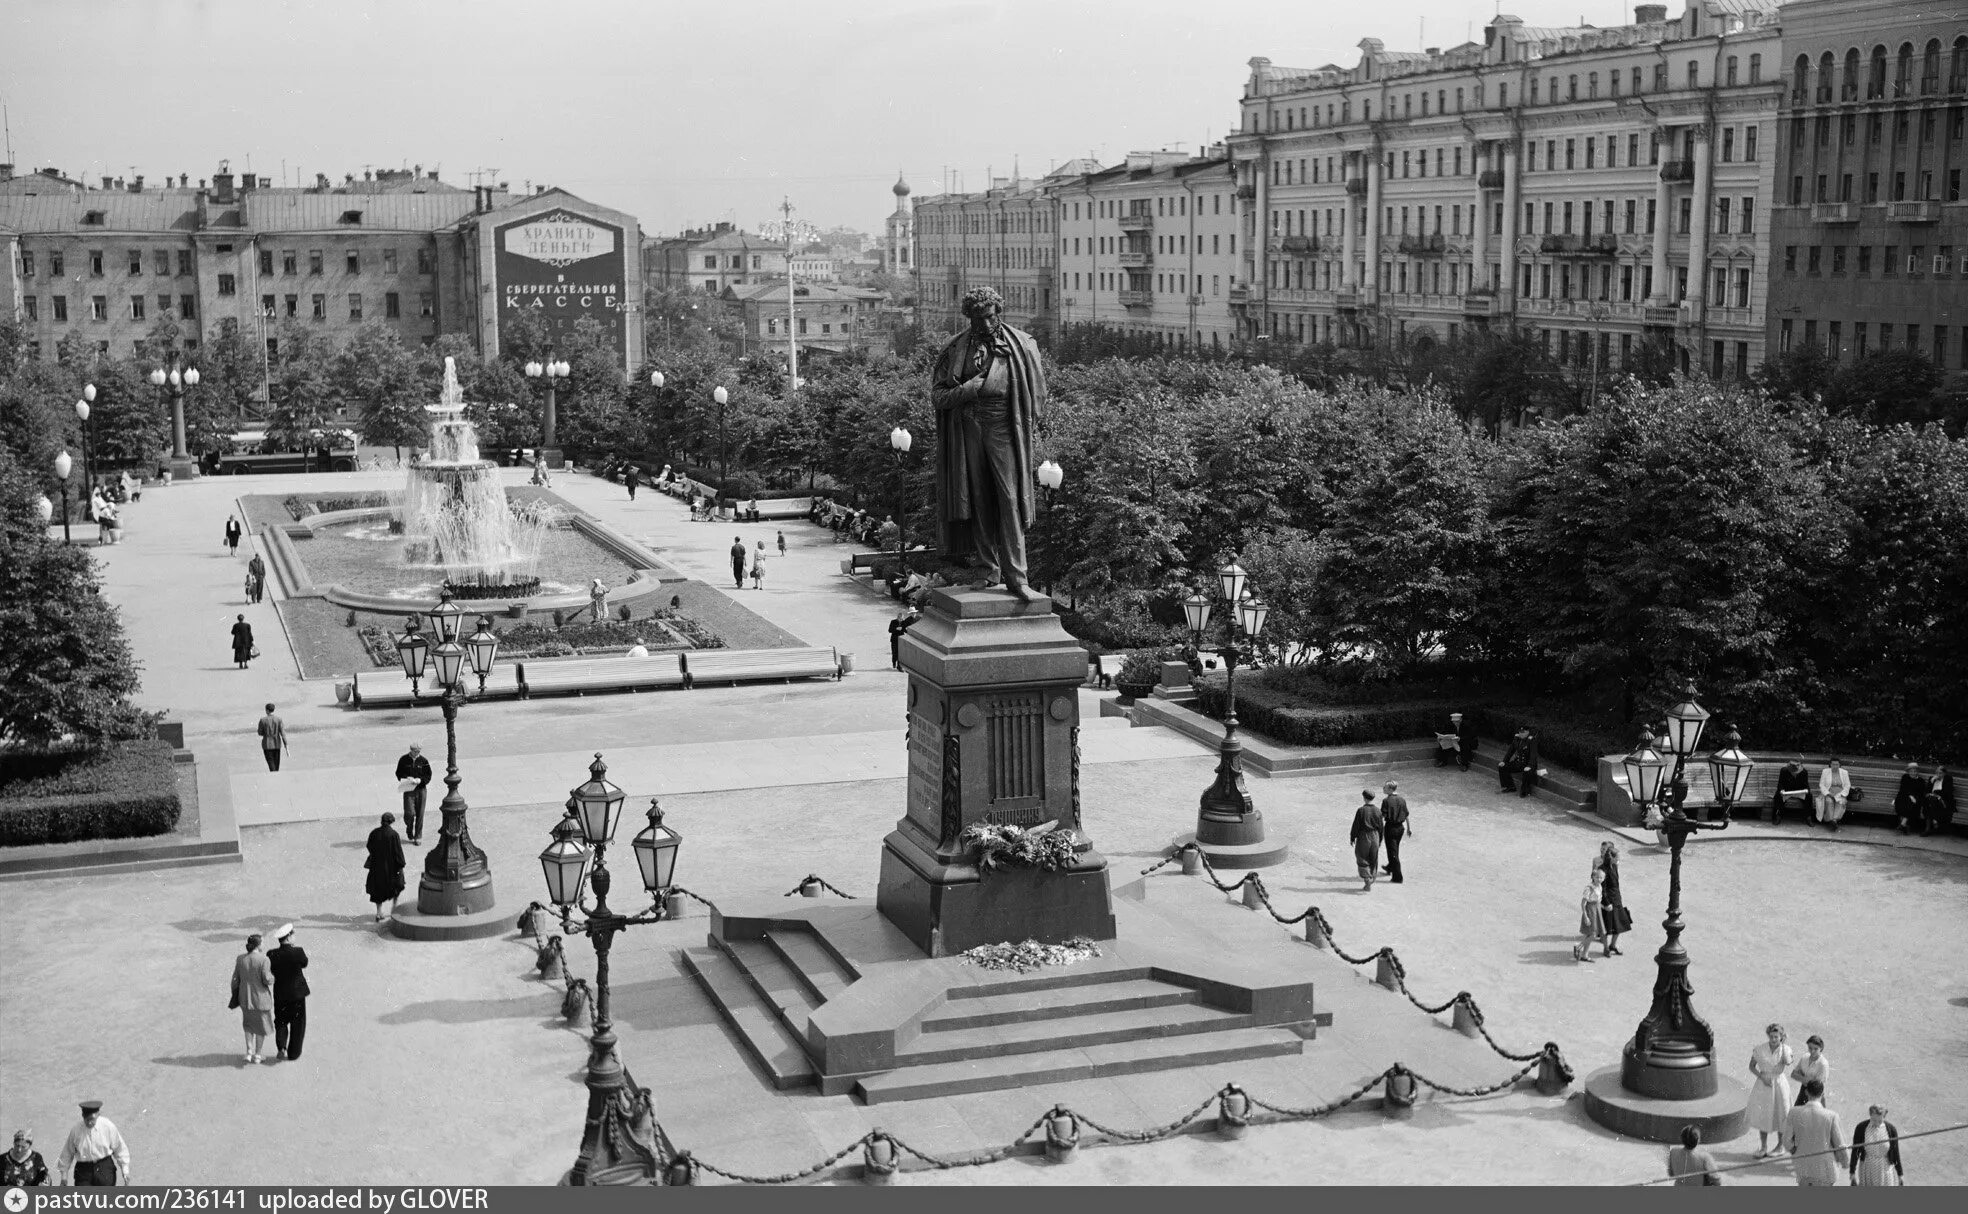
792	306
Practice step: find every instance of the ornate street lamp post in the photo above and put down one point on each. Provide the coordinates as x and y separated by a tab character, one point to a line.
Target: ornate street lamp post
901	440
178	377
1229	828
64	464
553	372
618	1142
1671	1057
82	410
722	398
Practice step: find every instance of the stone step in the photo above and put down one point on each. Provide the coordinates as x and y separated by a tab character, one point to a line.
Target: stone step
815	967
776	982
1002	1071
758	1026
1042	1036
1024	1006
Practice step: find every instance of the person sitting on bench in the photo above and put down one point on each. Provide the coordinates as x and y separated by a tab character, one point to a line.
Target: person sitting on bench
1793	791
1520	760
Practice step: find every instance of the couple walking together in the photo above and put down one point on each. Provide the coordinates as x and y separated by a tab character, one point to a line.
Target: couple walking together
1389	823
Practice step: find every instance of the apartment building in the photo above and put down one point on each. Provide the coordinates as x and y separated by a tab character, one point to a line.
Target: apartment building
1003	237
819	315
1149	246
1598	186
711	259
1870	231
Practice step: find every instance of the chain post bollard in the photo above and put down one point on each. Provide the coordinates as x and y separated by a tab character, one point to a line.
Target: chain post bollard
1400	1097
1385	971
878	1157
681	1171
1253	892
1553	1076
673	905
575	1003
529	921
1315	930
1468	1021
1192	859
1233	1110
810	888
548	962
1062	1131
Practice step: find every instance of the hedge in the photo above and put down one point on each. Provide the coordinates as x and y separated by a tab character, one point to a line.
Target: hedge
1286	718
125	791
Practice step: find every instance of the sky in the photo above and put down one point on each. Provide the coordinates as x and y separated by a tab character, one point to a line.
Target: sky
679	112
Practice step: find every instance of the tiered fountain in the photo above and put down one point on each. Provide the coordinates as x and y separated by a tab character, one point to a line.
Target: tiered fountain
455	514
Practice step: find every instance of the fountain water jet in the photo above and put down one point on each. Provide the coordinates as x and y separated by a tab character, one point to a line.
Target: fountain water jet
455	514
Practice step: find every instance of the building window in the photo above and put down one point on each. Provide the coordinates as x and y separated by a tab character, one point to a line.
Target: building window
1687	215
163	263
99	307
426	304
1865	259
33	307
136	263
95	264
188	307
290	262
1749	143
1755	69
61	308
269	307
293	305
354	262
1812	264
266	262
392	306
136	307
389	261
163	305
314	263
273	349
355	307
424	261
184	263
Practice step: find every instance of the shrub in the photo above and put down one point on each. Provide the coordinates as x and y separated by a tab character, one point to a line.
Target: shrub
1141	666
124	791
1295	722
298	504
1567	742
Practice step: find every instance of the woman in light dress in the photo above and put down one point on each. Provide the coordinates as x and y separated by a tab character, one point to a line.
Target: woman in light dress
1592	916
1769	1100
758	566
1876	1152
252	994
1814	1065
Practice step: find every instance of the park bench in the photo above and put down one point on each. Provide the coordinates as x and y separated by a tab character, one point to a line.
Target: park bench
1877	779
1106	667
383	688
749	665
784	508
865	562
578	676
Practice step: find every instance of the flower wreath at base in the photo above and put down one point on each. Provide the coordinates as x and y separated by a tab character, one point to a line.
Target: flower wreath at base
993	846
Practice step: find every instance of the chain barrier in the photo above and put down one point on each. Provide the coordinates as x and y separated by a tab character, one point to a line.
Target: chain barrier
790	1177
694	897
1473	1092
822	883
1164	863
1003	1152
1321	1110
1159	1132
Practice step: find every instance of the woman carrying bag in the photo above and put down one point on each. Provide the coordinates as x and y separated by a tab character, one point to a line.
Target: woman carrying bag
1613	908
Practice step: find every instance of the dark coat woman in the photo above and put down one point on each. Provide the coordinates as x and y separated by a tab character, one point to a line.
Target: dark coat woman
1907	798
232	534
242	641
1618	918
1939	805
385	865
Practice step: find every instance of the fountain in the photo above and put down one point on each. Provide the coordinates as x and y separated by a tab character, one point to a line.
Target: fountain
455	514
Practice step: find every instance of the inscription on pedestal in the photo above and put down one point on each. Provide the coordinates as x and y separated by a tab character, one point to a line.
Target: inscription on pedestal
925	773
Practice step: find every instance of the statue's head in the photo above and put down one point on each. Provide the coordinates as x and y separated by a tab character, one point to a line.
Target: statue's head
983	306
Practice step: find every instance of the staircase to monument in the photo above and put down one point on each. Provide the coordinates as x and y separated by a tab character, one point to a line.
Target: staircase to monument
1046	1027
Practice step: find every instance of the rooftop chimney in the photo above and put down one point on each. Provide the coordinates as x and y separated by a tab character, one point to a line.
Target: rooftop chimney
184	179
136	184
222	185
6	172
433	174
109	183
1647	14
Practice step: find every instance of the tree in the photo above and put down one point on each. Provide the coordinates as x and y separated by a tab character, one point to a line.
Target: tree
231	376
381	375
301	391
1503	377
66	673
130	422
1887	387
1802	373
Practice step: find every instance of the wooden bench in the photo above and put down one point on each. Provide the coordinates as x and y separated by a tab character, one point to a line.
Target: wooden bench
578	676
1106	667
784	508
747	665
1878	779
383	688
865	562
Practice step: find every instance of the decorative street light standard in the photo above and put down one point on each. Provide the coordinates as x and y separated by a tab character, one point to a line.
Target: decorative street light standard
63	465
552	372
457	879
1229	829
1671	1057
722	398
901	440
45	511
179	377
82	409
618	1142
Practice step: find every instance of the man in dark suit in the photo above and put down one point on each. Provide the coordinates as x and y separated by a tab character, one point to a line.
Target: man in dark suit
1465	730
290	992
1793	791
1394	813
1521	759
414	766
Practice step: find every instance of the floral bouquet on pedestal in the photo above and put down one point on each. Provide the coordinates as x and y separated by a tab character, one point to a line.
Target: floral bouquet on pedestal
993	846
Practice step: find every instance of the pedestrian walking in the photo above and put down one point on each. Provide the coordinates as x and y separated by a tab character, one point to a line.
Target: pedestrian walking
1817	1146
1688	1163
782	543
758	566
273	738
385	865
22	1167
1834	790
896	627
738	561
540	471
1618	919
290	992
598	599
1365	836
1769	1100
255	579
1396	824
1813	1065
1520	760
413	777
629	477
252	995
95	1153
242	641
232	533
1876	1152
1592	916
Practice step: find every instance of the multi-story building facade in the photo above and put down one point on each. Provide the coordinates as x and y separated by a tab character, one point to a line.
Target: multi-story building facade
1003	237
711	259
407	251
1870	234
1602	187
1150	246
819	315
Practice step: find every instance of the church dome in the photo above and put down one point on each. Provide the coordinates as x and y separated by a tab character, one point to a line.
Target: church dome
901	187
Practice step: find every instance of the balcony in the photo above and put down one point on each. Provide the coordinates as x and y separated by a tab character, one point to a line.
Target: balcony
1239	295
1346	301
1423	245
1605	244
1247	192
1299	244
1490	179
1913	212
1958	84
1673	171
1481	303
1356	186
1663	316
1143	258
1929	85
1834	212
1137	299
1138	221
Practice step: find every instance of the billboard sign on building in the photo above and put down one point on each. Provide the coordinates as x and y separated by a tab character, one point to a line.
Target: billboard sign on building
563	266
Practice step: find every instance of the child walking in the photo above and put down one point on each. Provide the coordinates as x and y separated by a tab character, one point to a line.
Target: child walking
1592	918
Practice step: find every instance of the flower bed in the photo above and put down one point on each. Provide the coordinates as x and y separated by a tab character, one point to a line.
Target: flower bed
666	630
302	505
1031	955
124	791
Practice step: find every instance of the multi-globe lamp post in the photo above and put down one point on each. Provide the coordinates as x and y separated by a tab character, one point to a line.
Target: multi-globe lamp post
1667	1077
457	878
553	371
618	1141
64	464
175	380
82	410
1229	828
